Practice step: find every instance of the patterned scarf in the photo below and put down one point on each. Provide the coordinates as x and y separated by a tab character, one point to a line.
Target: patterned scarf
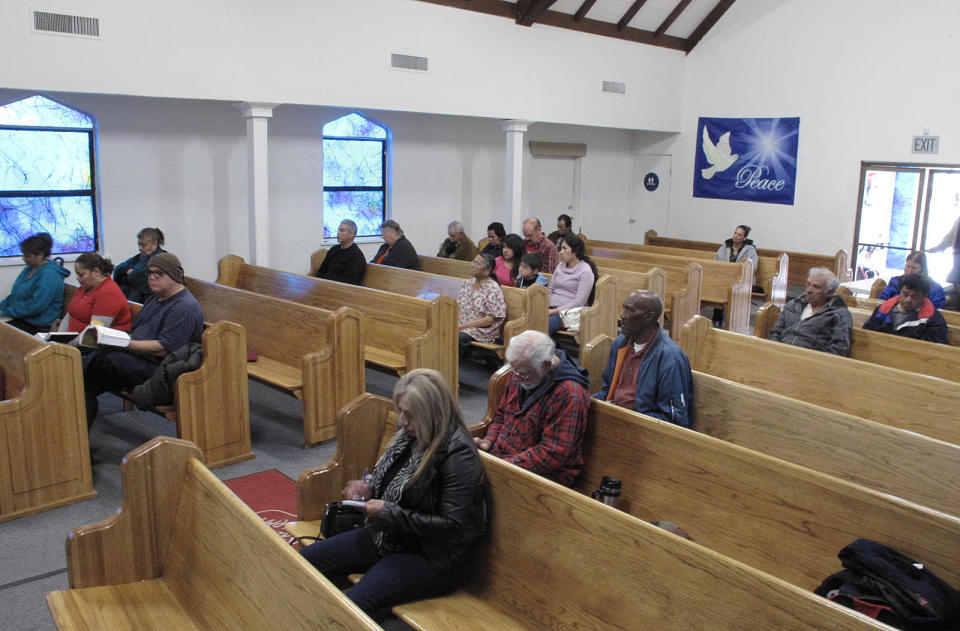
400	461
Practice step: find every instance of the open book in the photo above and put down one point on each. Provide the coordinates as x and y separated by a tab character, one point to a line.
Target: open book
91	337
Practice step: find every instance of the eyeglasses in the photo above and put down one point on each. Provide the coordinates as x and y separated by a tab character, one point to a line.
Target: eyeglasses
155	273
528	376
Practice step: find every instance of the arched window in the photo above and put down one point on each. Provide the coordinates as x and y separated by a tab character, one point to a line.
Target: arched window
355	158
46	176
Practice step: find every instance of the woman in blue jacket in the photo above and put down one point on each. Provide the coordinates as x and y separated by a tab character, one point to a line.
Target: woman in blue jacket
131	275
916	264
36	299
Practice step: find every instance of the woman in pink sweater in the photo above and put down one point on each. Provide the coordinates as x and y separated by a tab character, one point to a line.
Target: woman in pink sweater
572	282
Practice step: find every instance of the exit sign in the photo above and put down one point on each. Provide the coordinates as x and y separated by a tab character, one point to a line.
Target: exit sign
926	144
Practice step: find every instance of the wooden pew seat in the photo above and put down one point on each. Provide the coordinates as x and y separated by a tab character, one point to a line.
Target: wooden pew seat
150	567
553	558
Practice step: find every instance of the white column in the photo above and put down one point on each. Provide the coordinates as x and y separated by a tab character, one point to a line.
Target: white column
513	207
258	182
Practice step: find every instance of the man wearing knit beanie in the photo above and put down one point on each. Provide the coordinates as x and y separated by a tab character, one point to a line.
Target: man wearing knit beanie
170	319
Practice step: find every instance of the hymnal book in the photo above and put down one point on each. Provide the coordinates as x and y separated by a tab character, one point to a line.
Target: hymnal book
93	336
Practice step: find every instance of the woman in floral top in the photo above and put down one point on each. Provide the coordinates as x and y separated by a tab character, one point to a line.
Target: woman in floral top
482	308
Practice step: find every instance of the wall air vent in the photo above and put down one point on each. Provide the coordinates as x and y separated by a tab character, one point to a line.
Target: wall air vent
65	24
408	62
614	87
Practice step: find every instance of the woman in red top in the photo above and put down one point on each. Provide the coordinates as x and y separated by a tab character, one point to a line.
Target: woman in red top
99	297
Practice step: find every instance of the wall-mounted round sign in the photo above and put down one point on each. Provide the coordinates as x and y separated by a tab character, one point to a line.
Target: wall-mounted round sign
651	181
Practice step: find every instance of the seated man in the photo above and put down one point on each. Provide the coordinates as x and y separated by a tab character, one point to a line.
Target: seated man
564	229
171	318
344	262
538	242
481	306
540	421
911	313
819	319
647	372
457	245
396	250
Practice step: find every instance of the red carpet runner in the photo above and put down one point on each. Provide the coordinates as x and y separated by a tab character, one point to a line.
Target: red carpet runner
271	495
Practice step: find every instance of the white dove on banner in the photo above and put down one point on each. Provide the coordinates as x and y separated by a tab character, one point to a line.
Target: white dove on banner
717	155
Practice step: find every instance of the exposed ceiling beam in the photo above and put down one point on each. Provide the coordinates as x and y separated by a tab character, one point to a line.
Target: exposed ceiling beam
632	11
532	11
672	17
582	11
505	9
708	23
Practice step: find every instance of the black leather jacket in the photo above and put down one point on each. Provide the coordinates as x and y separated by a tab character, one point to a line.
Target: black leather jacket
444	513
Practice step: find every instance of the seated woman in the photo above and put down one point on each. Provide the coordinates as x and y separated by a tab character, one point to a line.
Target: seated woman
425	505
916	264
36	300
131	275
735	250
495	236
99	298
572	282
481	305
505	270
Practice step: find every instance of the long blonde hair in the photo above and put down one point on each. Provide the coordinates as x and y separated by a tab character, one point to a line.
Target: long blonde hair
432	410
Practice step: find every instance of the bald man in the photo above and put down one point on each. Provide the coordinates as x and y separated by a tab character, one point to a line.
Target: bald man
647	372
538	242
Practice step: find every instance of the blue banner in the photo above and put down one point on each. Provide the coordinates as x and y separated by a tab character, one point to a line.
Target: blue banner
746	159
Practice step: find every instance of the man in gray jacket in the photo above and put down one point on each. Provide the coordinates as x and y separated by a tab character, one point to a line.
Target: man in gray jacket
819	319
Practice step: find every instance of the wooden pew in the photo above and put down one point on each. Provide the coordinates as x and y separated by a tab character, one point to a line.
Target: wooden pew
800	262
211	404
400	333
860	317
911	466
727	285
918	403
149	566
734	497
526	309
44	449
592	580
315	354
884	349
772	270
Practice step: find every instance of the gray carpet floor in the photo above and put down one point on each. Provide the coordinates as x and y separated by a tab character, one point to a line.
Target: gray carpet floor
32	561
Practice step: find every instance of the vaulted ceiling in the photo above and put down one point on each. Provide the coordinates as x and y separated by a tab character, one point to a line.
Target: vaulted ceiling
677	24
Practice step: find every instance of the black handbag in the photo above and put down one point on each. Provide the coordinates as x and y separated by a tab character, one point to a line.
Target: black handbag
338	518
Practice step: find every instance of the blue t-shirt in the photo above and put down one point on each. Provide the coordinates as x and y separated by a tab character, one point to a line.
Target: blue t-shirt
173	322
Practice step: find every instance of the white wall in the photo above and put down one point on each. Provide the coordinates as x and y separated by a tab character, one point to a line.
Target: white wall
337	53
864	76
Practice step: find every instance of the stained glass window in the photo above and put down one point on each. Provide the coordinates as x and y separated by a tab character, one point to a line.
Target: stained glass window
354	174
46	176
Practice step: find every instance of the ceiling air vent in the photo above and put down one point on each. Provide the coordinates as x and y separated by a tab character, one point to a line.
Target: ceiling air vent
408	62
66	24
614	87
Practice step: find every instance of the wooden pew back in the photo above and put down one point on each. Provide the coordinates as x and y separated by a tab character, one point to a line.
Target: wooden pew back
884	349
783	519
918	403
445	267
772	269
400	332
44	449
800	262
182	581
314	353
514	582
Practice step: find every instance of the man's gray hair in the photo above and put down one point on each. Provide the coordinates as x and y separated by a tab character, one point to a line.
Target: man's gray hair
535	346
351	224
456	226
832	281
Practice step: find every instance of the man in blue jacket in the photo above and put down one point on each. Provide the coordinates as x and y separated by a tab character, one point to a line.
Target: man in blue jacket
647	372
910	313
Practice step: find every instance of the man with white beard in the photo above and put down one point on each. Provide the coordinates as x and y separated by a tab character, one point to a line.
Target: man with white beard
540	421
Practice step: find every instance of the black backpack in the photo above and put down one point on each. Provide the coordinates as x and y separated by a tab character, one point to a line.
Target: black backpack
884	584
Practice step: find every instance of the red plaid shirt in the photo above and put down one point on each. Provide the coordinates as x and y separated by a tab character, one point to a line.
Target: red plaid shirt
547	250
546	439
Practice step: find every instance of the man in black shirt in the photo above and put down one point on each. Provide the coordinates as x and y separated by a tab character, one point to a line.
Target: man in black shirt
344	262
